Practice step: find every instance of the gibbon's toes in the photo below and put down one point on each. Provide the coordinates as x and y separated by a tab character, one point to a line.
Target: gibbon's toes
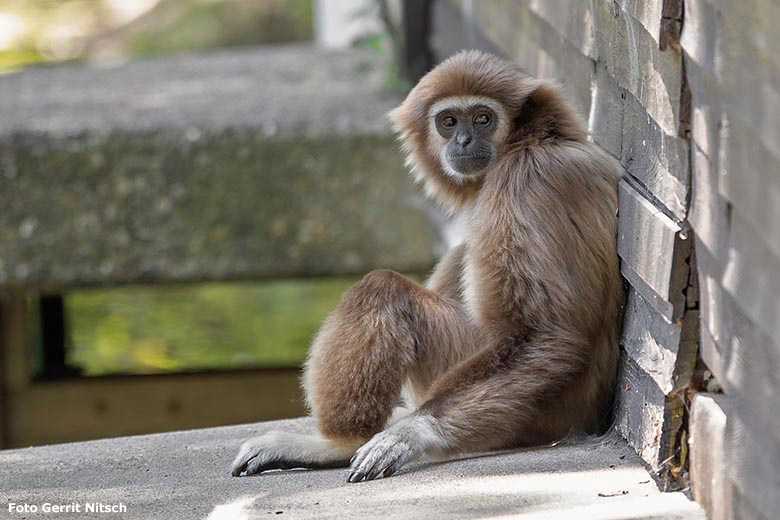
238	468
253	457
245	456
256	465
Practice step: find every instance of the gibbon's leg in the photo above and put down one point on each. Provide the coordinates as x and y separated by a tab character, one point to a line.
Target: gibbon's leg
387	329
491	400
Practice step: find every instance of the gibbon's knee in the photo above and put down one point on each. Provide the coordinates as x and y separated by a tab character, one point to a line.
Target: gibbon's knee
386	331
358	361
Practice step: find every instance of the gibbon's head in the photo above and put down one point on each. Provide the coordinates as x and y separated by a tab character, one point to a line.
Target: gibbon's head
462	116
455	122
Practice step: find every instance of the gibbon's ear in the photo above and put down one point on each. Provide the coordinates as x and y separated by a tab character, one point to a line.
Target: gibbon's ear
396	117
546	113
410	117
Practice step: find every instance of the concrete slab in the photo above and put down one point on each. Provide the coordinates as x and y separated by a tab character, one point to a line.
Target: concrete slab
185	475
279	90
249	163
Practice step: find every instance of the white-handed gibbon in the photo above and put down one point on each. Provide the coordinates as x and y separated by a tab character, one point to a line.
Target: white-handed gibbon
513	341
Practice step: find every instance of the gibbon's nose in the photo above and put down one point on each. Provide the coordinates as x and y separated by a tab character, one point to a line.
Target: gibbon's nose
463	139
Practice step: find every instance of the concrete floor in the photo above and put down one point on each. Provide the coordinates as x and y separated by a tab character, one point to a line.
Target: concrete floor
186	475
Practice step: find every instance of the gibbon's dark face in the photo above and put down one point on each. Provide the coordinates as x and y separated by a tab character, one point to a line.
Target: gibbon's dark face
469	134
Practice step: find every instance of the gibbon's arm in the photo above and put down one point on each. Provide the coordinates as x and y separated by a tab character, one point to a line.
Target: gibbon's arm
483	403
445	279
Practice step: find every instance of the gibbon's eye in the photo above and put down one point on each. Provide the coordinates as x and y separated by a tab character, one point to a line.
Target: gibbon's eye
448	122
482	119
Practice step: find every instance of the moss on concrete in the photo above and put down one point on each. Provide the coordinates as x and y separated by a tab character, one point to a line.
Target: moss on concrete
176	205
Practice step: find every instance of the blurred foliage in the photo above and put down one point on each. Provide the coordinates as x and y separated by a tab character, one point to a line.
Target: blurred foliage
209	326
40	31
382	44
224	24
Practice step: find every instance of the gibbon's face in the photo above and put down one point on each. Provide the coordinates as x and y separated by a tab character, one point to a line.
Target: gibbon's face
467	131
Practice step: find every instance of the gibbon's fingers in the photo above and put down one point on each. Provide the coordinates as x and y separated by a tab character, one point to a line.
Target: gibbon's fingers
283	450
387	451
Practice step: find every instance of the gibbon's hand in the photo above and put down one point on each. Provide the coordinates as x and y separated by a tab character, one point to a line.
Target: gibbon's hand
389	450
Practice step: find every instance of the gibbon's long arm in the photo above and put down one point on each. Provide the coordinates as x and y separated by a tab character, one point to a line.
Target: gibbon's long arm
488	401
446	278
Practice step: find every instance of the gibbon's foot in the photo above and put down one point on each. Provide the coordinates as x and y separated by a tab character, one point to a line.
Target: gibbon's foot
288	450
387	451
260	454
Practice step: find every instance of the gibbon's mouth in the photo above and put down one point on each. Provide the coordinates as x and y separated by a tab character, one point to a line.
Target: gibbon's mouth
469	164
471	156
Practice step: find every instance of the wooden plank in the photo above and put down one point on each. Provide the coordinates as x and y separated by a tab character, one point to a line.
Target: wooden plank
716	313
751	461
665	351
756	20
744	506
746	165
711	353
718	47
572	20
655	159
699	39
535	45
659	161
633	58
751	276
710	486
753	373
654	249
444	41
661	304
90	408
14	358
748	178
706	110
710	213
648	13
649	421
733	471
605	122
745	360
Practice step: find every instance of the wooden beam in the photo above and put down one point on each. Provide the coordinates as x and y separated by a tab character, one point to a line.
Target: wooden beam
14	366
76	409
415	55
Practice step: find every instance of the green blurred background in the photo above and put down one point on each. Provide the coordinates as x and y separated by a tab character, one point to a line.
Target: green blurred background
175	328
142	330
41	31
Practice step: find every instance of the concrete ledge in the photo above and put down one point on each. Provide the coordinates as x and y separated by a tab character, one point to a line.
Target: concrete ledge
242	164
185	475
282	90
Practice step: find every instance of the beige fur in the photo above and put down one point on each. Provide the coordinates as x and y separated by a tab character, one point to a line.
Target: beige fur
513	341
